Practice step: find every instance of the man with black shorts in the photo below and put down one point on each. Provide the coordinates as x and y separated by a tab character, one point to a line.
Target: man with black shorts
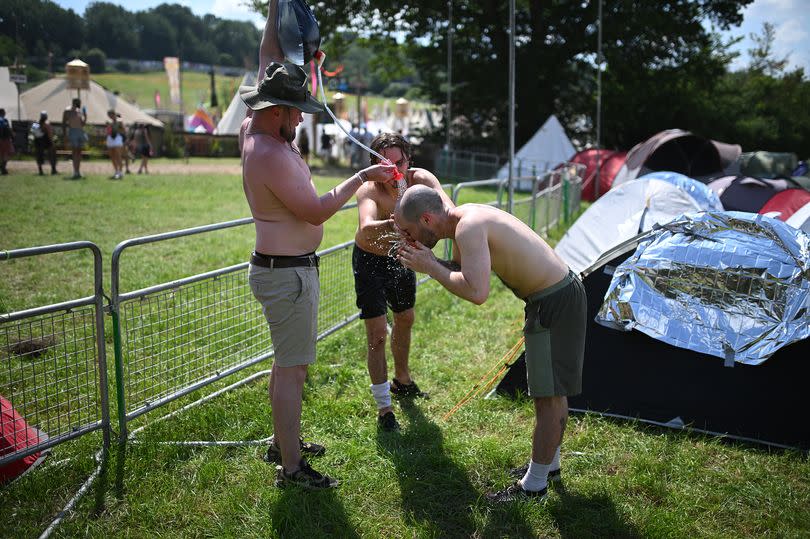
487	239
381	282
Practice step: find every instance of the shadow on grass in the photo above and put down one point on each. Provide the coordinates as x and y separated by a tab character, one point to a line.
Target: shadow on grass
435	491
311	513
579	516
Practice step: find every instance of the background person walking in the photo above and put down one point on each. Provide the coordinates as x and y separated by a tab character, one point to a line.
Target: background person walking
115	143
73	120
6	142
143	146
42	131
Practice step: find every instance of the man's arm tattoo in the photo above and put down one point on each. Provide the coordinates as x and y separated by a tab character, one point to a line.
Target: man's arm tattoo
452	265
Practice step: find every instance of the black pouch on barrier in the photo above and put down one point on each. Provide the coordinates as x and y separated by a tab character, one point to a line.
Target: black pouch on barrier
298	32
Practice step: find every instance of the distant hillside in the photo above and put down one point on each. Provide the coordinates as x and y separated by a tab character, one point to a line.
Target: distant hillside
140	88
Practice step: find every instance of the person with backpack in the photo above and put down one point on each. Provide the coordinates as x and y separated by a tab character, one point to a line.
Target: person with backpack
6	142
42	131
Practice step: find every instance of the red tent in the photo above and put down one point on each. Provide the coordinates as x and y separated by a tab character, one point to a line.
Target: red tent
609	164
786	202
16	435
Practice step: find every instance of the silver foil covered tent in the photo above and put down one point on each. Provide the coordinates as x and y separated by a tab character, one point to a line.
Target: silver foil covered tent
729	284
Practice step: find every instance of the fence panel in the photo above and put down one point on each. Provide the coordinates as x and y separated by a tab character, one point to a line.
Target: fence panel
174	338
552	198
54	374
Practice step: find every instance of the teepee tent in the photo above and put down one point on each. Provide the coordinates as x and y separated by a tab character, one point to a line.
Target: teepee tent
8	97
547	148
53	96
237	110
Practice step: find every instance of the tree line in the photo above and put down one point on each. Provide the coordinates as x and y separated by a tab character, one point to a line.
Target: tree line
664	65
40	31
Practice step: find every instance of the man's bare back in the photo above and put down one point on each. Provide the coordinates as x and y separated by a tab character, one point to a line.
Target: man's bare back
486	239
73	117
521	258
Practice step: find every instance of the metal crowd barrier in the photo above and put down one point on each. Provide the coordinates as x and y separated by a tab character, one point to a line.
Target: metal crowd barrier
553	198
55	370
174	338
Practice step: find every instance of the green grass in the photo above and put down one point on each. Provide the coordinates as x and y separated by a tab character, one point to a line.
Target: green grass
140	88
622	479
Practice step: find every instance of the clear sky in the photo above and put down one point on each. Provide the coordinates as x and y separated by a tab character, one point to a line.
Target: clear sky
791	18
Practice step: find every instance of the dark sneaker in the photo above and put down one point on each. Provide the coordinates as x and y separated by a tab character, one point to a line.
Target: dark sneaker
515	492
304	477
409	391
520	471
387	422
273	454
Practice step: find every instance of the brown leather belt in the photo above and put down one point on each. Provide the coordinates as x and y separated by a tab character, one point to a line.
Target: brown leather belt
270	261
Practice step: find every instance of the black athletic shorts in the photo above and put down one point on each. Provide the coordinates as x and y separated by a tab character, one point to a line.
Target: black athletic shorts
381	281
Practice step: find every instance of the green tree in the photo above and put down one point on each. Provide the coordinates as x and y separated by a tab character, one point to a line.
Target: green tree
38	26
112	29
97	60
237	39
157	36
762	53
193	42
646	45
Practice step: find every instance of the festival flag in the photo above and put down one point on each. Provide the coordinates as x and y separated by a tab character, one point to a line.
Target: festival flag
157	99
172	65
201	120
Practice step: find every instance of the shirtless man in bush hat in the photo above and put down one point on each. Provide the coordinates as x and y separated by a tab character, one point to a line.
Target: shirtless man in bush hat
487	239
289	217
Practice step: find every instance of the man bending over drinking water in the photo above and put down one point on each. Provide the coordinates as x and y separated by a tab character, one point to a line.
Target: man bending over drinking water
487	239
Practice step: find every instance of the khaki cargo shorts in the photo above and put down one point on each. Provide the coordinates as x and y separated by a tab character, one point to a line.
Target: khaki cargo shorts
289	298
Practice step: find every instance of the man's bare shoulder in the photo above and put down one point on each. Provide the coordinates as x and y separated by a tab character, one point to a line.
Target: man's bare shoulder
264	146
424	177
471	215
263	155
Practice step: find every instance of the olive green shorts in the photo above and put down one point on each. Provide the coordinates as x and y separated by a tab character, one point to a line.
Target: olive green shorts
555	338
289	298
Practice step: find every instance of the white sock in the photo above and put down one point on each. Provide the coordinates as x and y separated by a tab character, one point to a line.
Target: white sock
536	477
382	394
555	462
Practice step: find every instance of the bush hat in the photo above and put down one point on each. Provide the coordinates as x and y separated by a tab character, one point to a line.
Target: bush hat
283	84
